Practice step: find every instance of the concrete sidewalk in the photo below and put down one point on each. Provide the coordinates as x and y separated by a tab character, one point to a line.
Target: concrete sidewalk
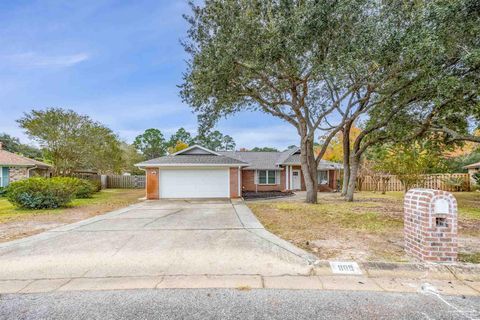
379	283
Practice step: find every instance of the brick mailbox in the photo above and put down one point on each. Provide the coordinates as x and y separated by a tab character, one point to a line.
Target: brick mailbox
430	225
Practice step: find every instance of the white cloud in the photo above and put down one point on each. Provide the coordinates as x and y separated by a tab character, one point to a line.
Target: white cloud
34	60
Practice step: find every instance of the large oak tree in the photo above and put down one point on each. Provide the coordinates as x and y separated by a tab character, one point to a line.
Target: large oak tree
279	57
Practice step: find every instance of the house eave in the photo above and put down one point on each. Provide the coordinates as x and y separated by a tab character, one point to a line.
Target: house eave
157	165
17	165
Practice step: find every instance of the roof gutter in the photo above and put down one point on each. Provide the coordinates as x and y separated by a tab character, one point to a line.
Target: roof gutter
28	170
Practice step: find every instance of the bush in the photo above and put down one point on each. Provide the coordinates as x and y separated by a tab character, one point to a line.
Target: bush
3	192
476	177
83	188
97	183
41	193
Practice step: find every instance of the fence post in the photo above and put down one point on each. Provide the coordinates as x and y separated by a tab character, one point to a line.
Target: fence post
103	181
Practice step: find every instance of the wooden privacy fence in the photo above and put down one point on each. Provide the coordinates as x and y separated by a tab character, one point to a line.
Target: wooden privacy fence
115	181
126	182
446	182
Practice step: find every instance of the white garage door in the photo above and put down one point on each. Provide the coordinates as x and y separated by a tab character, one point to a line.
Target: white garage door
184	183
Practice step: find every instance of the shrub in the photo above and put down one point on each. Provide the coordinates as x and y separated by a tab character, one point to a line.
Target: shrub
97	183
455	183
3	191
85	189
41	193
82	188
476	177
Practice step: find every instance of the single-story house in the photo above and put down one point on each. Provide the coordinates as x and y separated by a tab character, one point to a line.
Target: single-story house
197	172
14	167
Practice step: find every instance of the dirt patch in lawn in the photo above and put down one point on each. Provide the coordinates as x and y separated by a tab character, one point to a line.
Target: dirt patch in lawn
369	229
18	223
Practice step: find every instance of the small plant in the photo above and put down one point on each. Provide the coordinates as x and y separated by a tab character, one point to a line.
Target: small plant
455	183
476	177
3	192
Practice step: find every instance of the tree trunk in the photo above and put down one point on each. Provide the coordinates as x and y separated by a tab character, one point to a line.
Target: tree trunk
354	166
309	168
346	157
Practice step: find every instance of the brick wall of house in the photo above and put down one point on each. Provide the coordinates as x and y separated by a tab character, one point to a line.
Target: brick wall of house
248	182
430	225
17	174
234	183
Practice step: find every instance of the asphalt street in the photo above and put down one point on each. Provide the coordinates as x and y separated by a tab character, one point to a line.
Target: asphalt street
236	304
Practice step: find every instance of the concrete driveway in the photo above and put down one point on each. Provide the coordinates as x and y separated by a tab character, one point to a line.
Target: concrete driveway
153	239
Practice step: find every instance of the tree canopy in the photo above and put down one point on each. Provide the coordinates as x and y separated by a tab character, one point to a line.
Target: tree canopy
151	143
72	141
215	140
264	149
14	145
405	70
181	135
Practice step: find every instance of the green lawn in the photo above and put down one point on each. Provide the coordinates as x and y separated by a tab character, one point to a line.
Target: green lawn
103	201
370	228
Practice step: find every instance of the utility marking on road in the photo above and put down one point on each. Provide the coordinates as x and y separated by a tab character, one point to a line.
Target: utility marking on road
344	267
427	288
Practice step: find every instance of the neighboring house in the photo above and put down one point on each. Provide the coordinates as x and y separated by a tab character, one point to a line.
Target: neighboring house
14	167
197	172
472	169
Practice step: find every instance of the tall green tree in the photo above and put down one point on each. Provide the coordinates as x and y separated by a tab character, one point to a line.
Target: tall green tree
402	69
279	57
131	156
181	135
425	85
151	143
73	141
14	145
215	140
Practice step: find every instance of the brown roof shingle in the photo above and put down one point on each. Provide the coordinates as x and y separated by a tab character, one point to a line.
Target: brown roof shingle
11	159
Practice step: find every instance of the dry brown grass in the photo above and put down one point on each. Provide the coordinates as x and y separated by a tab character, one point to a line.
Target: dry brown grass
371	228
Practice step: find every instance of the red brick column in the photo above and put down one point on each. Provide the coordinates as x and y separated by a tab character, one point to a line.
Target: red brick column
152	183
235	176
430	225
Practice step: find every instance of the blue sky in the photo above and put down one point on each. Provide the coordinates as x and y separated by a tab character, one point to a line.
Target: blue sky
119	62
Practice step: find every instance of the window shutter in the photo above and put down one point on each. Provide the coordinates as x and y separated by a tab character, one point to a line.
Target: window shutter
255	178
277	177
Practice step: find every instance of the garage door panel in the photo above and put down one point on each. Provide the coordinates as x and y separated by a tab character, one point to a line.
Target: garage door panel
206	183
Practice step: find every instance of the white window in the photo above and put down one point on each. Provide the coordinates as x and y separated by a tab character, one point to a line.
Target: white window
267	177
323	177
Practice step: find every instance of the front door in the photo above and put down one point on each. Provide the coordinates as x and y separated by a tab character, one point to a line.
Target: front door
296	180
